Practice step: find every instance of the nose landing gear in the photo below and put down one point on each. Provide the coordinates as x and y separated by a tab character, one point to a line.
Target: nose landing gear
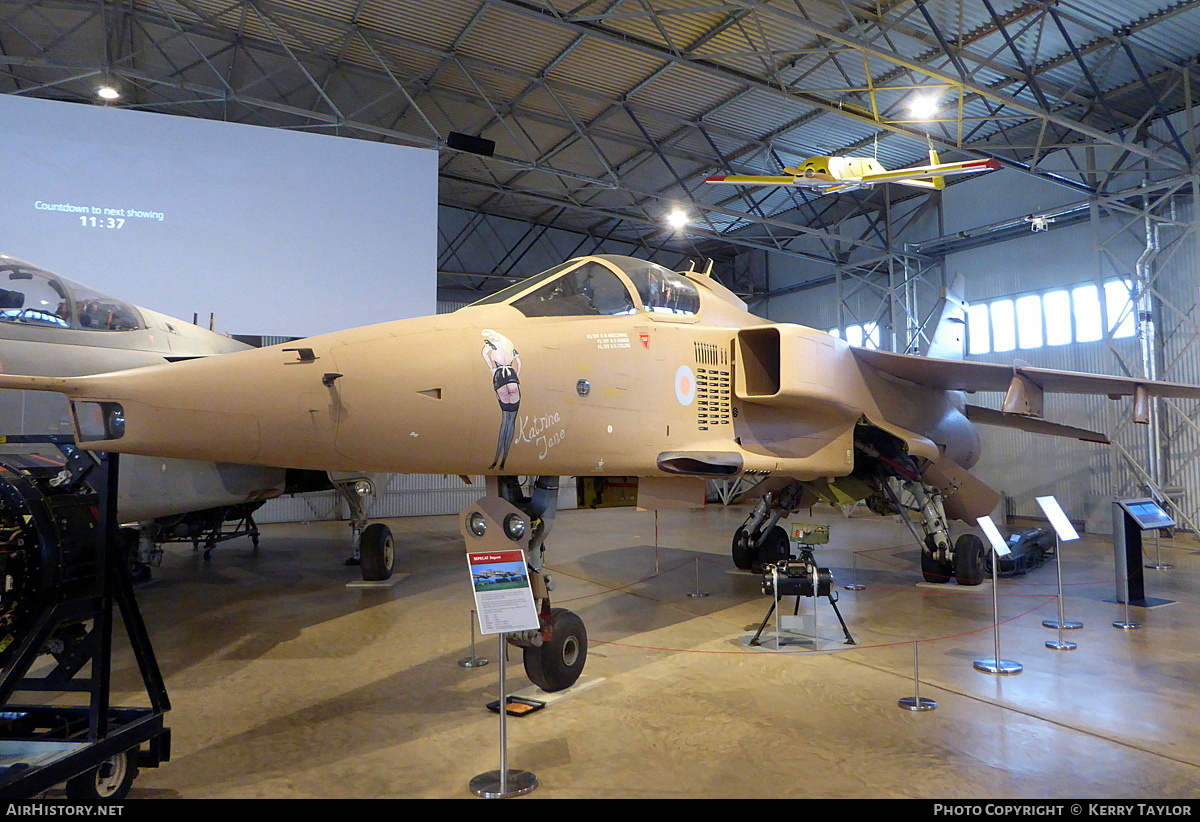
555	653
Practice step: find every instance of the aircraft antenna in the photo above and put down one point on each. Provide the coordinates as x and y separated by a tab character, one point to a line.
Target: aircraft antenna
708	268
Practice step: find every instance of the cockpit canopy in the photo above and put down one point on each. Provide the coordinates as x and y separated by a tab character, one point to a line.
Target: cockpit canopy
31	296
588	287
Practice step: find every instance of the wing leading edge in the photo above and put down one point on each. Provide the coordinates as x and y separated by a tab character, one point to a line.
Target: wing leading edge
1023	385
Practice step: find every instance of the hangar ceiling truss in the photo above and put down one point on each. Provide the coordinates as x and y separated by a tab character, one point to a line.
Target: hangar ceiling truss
606	113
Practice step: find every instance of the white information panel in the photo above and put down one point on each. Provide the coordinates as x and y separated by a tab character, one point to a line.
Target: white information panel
503	596
993	536
1058	519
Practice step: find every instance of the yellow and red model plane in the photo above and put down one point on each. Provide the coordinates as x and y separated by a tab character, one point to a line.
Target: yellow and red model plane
831	174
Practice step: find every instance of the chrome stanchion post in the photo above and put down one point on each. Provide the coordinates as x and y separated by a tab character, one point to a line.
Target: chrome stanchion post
697	592
472	661
1159	565
503	783
854	584
1059	644
1126	624
996	665
916	702
656	540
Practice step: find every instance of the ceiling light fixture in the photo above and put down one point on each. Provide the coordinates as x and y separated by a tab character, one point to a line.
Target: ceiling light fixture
107	92
677	219
923	106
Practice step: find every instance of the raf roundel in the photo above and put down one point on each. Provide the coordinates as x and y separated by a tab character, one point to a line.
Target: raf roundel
685	385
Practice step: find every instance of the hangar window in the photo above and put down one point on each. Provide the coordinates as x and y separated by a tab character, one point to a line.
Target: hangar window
861	336
1118	304
1057	307
1004	325
1079	314
1086	302
590	289
979	339
1029	321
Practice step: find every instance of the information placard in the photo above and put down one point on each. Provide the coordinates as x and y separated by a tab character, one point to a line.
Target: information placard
993	535
1054	512
1147	513
503	596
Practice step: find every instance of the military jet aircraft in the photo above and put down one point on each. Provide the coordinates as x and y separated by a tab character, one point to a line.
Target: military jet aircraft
827	175
602	365
51	326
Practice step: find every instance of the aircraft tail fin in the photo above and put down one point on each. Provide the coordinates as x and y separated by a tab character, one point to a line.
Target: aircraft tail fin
949	338
938	182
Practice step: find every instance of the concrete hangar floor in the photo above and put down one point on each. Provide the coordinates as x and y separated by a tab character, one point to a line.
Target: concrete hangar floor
285	683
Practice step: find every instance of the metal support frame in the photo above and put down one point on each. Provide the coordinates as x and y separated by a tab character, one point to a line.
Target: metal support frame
1151	241
69	740
896	291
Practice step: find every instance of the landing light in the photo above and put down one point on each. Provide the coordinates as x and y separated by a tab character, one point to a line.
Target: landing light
477	523
514	527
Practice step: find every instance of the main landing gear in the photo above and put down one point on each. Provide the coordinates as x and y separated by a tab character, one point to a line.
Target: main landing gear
760	541
555	653
964	560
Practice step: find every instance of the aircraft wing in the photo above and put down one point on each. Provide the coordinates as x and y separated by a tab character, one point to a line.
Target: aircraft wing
930	171
958	375
803	182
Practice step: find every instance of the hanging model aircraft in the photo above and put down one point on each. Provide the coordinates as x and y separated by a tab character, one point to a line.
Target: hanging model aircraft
600	366
51	326
826	175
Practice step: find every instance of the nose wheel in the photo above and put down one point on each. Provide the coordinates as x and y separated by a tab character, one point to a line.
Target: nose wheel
556	664
376	552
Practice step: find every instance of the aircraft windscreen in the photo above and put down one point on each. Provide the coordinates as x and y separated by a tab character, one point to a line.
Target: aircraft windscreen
662	290
30	296
516	288
588	290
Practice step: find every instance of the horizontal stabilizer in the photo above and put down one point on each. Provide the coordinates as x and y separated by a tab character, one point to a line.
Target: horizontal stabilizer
990	416
745	180
20	382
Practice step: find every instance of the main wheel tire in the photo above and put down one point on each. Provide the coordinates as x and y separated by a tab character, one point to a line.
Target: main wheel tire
377	552
969	559
109	781
933	569
743	553
775	548
557	663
